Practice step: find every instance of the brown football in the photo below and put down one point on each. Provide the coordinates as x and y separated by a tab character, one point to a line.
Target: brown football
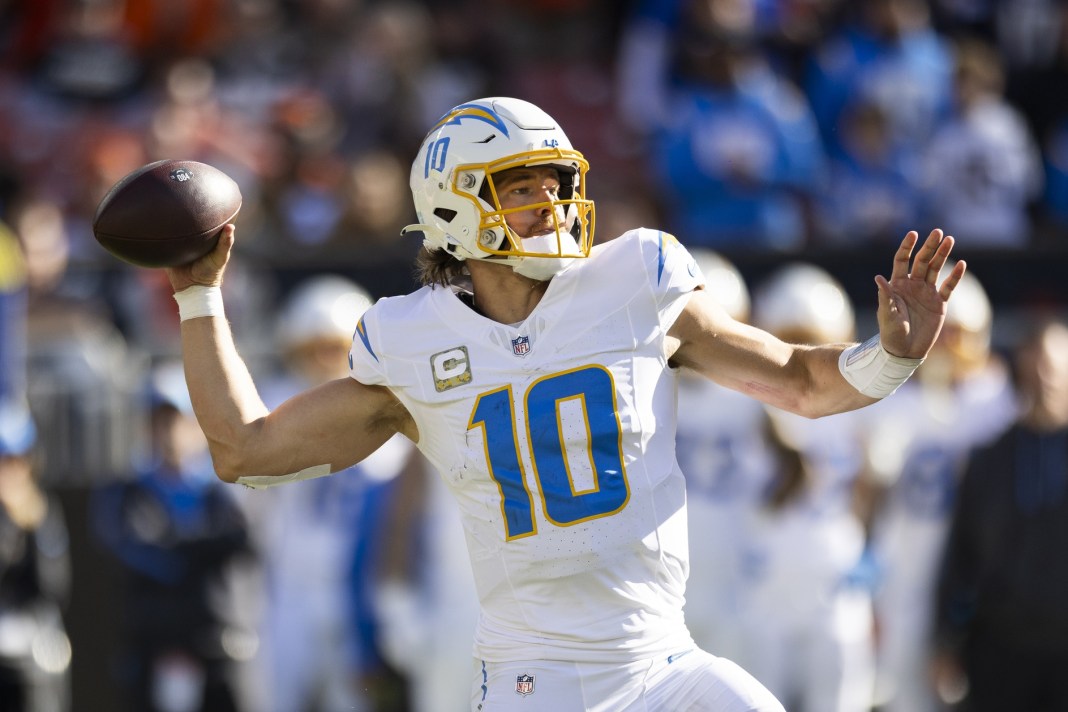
166	213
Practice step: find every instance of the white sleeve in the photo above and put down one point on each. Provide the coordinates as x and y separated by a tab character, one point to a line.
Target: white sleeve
672	272
364	363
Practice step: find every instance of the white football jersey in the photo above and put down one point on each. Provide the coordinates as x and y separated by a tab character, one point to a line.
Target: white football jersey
557	437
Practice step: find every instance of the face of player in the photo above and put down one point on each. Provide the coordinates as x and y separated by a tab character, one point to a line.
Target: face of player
537	186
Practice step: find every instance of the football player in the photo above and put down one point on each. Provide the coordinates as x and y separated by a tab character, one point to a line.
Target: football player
961	399
538	374
805	618
722	451
310	534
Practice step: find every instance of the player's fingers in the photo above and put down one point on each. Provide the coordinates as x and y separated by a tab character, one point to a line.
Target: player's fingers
938	261
887	304
904	255
208	270
226	238
884	289
952	279
921	266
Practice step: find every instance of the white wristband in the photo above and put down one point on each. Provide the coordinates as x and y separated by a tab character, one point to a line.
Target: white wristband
199	300
873	370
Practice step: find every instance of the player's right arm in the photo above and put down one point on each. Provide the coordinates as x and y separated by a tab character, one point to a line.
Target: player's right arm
335	425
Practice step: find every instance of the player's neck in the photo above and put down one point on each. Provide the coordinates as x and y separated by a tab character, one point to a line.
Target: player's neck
502	295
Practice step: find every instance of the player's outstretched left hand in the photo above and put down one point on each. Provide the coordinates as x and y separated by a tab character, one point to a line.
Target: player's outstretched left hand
912	305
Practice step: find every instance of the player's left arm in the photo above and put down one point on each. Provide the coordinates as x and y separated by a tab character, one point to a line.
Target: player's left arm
808	379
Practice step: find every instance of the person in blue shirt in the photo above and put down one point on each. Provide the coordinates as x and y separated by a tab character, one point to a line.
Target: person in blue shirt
175	533
738	153
872	190
888	54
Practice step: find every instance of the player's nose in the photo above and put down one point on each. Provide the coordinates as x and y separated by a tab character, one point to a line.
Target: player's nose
545	199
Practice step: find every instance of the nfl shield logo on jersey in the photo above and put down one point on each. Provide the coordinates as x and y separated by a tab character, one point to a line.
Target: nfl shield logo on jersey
524	684
521	346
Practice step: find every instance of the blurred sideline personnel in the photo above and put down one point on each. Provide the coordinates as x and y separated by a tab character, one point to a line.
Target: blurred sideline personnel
962	398
310	533
180	539
538	374
426	605
721	448
1002	623
806	619
35	652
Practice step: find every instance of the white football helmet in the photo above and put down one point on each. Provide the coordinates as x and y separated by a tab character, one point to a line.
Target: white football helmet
970	307
456	201
963	347
325	307
723	282
804	303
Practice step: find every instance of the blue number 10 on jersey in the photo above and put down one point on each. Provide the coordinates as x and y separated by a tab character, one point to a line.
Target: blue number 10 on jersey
592	393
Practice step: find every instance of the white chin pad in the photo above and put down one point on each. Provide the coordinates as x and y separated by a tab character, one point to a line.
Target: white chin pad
547	244
544	268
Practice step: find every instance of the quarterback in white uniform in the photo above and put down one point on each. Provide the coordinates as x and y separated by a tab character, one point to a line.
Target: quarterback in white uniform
806	624
722	450
541	430
538	373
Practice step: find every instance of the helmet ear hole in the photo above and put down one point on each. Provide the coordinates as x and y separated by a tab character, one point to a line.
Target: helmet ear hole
567	184
445	214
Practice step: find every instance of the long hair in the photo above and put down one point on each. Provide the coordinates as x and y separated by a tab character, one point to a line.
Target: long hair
435	266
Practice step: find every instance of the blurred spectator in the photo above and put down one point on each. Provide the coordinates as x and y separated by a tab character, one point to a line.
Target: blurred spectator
1030	36
82	51
315	656
78	363
959	399
723	454
577	81
1034	86
887	55
646	67
12	317
1002	624
389	80
335	209
184	549
35	652
1054	208
988	149
738	160
791	30
872	193
805	611
1037	90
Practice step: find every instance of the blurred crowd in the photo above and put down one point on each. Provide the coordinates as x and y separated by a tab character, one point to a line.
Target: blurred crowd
760	132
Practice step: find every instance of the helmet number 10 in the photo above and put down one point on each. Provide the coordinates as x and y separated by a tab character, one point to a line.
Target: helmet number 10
435	156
